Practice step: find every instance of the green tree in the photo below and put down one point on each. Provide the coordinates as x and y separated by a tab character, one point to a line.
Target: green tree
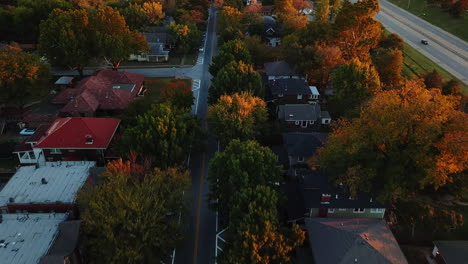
243	164
406	141
112	39
235	77
392	41
134	16
178	93
233	50
185	37
132	220
229	24
322	11
452	87
432	79
164	133
259	51
238	116
64	39
353	83
22	76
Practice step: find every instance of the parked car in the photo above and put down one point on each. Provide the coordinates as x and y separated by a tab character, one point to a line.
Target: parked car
424	41
27	132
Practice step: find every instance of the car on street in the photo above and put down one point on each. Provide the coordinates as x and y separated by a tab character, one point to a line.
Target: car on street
27	132
424	41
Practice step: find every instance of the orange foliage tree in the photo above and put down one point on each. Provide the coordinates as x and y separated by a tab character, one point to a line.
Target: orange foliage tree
154	11
178	93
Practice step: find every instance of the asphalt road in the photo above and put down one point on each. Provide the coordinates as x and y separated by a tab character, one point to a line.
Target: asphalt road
450	52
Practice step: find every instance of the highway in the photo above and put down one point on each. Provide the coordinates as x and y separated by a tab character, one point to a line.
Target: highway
450	52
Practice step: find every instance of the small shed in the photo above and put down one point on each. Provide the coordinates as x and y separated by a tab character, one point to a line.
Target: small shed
64	82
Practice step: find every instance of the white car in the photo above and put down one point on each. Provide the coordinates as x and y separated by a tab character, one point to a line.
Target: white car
27	132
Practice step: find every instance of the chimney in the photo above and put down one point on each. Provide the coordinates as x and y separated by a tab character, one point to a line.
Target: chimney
89	139
43	181
371	199
325	199
336	196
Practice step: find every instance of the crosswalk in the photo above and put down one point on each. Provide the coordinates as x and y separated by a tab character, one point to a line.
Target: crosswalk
196	85
200	58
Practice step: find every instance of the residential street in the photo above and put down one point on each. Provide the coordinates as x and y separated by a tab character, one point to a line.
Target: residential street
448	51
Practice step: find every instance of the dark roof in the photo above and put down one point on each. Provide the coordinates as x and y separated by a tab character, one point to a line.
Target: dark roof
303	144
157	49
64	244
288	87
325	114
270	26
365	241
155	37
453	251
279	68
299	112
314	183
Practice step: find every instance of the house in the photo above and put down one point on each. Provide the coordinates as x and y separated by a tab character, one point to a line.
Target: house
42	189
266	10
303	116
302	146
159	48
65	247
280	70
271	31
450	251
107	91
70	139
26	238
292	91
64	82
343	241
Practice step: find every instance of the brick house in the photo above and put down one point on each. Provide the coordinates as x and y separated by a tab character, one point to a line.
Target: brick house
106	91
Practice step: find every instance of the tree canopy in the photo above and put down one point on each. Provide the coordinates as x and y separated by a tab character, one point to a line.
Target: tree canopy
130	219
353	83
233	50
164	133
235	77
22	76
406	141
243	164
185	36
178	93
238	116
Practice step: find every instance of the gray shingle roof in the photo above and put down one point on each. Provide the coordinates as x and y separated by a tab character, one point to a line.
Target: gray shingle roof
453	251
279	68
64	244
303	144
288	86
363	241
299	112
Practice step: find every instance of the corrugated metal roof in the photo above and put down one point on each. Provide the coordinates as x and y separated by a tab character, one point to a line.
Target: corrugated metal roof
27	237
64	179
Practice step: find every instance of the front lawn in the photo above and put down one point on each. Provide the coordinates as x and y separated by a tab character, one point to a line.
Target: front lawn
415	64
154	86
436	16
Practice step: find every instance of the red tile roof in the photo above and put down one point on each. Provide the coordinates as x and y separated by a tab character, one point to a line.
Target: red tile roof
70	133
96	92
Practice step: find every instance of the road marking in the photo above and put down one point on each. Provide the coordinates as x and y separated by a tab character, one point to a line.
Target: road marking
196	84
197	229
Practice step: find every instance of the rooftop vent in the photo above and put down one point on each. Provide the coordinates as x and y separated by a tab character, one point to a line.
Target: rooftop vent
43	181
371	199
116	87
11	200
291	115
336	196
355	260
89	139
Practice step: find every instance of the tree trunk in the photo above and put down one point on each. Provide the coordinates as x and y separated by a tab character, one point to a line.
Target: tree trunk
115	65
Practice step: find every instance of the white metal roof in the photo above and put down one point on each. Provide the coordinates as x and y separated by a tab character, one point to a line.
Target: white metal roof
64	179
26	238
313	90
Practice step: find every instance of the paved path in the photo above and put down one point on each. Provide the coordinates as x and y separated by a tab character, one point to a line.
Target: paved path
450	52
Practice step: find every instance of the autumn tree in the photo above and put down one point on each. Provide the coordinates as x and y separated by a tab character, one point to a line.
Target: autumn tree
238	116
392	41
233	50
432	79
259	51
153	11
152	203
235	77
164	133
356	31
112	39
23	76
322	11
178	93
389	65
134	16
406	142
289	16
64	39
185	37
325	59
353	83
243	164
88	4
452	87
229	24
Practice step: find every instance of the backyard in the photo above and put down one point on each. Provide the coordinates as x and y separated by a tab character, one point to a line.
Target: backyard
436	16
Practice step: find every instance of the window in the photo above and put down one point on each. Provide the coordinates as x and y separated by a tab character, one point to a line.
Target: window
311	122
342	209
280	95
55	151
331	210
297	122
300	159
31	155
326	121
377	210
299	96
359	210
